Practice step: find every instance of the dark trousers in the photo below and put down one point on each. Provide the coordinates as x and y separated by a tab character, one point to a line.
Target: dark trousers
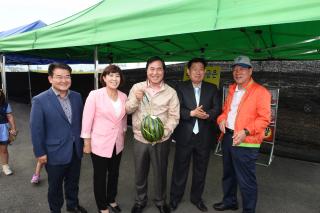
157	155
104	192
68	175
239	168
200	154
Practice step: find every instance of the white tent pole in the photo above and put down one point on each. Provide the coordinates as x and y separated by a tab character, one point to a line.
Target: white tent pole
29	79
3	74
96	62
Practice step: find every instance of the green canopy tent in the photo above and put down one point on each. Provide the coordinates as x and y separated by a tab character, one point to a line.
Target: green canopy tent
131	31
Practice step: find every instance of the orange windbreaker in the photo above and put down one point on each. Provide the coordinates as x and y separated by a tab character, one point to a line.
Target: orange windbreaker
254	112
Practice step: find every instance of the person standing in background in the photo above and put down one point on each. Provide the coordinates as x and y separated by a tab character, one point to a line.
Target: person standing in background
7	127
36	176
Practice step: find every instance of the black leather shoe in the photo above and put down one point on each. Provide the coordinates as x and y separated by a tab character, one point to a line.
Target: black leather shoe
200	205
137	208
77	209
115	209
164	208
221	207
173	205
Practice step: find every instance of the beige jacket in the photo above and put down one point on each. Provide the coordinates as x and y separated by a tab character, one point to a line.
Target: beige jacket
164	104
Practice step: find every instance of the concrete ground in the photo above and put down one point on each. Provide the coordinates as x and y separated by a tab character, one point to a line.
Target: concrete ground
287	186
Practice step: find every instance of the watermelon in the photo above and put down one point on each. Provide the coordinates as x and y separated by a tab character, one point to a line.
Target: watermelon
152	128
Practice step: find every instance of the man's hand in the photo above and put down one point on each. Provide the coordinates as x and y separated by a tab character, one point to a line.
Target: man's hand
139	94
87	146
198	112
222	126
42	159
238	137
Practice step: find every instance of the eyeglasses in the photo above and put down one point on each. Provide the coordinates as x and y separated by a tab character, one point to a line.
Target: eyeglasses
60	77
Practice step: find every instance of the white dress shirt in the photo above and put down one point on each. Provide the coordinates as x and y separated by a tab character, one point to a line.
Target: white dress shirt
238	93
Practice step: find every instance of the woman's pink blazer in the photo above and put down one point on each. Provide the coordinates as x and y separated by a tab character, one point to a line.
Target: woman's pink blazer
100	123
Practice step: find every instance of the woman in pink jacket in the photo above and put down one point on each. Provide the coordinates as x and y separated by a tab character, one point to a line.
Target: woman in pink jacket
104	125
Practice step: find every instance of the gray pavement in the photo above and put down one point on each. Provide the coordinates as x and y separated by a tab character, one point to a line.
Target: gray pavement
287	186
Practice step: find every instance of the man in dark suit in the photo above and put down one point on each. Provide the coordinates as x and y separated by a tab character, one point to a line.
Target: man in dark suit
55	123
199	108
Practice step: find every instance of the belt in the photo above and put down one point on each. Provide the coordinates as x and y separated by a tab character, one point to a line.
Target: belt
229	131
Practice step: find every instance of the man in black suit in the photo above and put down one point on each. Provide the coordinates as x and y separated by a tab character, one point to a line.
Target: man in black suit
199	108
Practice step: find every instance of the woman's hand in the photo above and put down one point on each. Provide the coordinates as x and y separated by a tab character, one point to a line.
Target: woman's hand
13	132
87	146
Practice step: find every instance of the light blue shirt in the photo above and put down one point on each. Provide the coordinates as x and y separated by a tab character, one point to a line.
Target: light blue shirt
197	91
4	134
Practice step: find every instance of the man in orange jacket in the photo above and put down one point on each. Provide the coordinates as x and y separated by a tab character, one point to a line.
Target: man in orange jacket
246	114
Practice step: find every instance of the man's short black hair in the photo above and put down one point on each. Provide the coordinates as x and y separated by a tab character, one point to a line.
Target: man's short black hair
56	65
156	58
197	60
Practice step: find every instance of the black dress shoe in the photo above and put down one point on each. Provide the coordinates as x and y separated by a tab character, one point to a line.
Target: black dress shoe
164	208
221	207
200	205
115	209
137	208
173	205
77	209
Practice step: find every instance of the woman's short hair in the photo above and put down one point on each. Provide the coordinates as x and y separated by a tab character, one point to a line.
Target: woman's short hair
111	69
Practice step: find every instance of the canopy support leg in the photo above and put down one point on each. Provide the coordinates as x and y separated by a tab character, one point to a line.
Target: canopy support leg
3	74
96	63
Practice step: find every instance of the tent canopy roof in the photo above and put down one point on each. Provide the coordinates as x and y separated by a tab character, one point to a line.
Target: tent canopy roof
131	31
25	28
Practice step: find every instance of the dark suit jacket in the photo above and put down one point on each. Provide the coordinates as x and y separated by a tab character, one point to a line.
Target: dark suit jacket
209	98
51	132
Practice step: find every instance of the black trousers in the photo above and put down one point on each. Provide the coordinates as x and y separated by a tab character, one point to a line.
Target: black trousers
68	174
200	153
104	192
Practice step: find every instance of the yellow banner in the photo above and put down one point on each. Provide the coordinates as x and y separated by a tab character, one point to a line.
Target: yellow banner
212	75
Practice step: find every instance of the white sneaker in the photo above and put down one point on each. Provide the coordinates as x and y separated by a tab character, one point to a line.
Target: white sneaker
6	170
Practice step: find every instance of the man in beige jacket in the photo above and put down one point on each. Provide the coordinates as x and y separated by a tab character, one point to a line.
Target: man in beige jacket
163	102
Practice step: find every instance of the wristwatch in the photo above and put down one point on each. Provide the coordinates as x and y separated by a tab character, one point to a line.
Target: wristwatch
246	132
